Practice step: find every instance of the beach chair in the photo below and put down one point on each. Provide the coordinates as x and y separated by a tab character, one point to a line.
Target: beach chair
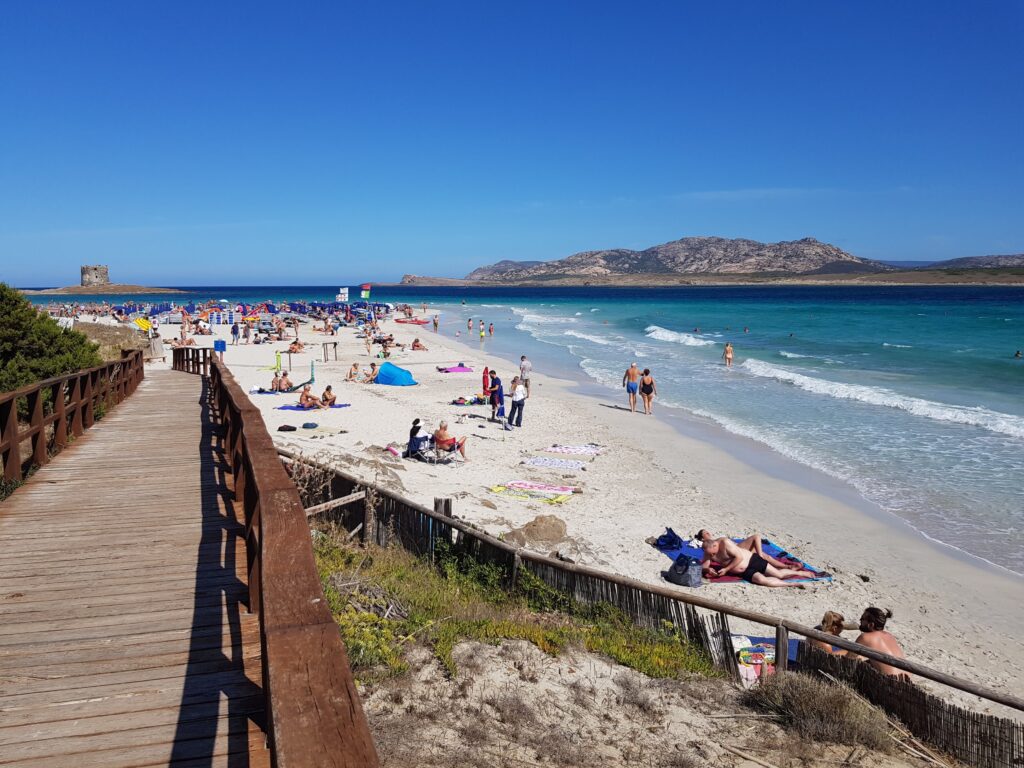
426	450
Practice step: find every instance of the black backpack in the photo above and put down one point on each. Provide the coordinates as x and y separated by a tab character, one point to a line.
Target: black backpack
685	572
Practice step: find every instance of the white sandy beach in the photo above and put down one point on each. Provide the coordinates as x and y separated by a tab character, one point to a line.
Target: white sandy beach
950	613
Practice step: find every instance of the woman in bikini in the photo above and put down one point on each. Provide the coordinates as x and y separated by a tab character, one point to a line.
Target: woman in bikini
728	354
648	389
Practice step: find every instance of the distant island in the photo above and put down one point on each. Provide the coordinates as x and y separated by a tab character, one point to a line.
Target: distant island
96	281
118	289
717	260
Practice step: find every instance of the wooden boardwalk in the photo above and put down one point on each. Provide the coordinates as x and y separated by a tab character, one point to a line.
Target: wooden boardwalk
124	635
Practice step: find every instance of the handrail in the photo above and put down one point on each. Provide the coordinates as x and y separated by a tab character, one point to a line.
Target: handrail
192	360
73	399
314	715
677	595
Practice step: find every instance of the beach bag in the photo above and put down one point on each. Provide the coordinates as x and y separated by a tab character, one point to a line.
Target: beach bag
685	572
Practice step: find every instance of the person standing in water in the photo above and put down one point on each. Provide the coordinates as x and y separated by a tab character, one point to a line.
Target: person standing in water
648	389
727	355
630	380
435	323
469	325
490	329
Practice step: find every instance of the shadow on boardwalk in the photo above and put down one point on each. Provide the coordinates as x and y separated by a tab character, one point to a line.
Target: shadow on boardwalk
221	714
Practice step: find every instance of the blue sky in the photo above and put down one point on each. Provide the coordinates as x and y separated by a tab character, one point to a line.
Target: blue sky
327	143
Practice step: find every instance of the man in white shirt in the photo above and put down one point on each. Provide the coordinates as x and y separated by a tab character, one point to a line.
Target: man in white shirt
525	369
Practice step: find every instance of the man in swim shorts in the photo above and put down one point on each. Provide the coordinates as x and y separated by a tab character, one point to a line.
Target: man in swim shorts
751	567
753	542
631	381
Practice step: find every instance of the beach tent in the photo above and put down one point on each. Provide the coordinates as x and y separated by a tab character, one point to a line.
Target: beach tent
394	376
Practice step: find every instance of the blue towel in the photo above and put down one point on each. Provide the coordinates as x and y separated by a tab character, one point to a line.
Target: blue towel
300	408
673	546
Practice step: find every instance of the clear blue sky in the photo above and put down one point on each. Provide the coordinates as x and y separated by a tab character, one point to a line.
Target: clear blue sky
295	143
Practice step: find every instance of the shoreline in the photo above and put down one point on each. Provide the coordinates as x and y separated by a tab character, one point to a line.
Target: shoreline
764	459
950	613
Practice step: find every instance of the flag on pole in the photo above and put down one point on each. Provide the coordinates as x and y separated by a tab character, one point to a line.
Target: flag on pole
365	291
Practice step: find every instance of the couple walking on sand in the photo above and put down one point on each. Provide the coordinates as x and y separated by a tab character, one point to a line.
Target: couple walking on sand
634	381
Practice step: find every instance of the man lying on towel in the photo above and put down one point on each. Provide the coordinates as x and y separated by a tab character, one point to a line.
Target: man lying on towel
732	559
752	543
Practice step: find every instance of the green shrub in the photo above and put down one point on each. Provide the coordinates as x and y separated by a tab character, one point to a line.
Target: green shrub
33	347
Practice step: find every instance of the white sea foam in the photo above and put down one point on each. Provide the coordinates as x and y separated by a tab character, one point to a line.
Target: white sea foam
529	317
664	334
897	346
791	355
993	421
588	337
595	309
578	314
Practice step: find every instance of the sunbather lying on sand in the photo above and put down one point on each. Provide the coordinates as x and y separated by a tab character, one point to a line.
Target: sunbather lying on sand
308	400
752	543
751	566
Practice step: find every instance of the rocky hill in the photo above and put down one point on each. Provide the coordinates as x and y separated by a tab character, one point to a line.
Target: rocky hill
979	262
690	255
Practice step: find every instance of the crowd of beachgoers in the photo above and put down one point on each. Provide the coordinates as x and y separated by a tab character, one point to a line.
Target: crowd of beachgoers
403	395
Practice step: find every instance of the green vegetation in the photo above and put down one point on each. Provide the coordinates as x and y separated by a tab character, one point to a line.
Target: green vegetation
385	599
33	347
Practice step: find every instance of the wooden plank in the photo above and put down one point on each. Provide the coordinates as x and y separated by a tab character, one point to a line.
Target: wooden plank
124	639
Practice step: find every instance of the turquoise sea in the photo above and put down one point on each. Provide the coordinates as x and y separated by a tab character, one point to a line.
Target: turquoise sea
910	395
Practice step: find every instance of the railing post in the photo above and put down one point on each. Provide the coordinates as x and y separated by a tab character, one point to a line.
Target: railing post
12	456
35	408
60	423
781	648
88	415
75	401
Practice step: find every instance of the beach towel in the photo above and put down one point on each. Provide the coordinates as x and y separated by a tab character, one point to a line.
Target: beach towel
550	462
670	544
527	485
474	400
263	392
575	450
455	369
526	494
300	408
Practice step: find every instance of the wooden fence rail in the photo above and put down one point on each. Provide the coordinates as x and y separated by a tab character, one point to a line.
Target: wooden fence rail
51	413
397	520
315	717
192	360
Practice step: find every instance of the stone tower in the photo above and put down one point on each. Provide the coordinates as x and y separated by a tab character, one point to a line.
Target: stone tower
95	275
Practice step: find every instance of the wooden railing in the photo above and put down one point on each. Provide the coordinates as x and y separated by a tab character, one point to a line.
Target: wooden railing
314	716
394	519
60	409
192	360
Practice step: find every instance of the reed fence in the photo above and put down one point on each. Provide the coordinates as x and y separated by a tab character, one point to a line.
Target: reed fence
389	518
51	413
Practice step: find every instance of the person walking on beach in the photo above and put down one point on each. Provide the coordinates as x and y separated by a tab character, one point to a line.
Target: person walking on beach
246	332
873	635
234	333
630	380
435	323
519	395
727	354
525	369
648	389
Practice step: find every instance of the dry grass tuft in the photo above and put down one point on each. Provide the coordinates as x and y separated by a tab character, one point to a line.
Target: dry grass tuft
821	711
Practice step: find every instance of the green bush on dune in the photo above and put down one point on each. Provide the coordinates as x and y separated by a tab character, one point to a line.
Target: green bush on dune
33	347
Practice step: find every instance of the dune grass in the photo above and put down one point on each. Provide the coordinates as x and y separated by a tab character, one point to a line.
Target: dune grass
386	599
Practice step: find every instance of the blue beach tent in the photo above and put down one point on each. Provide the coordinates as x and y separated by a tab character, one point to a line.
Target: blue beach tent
394	376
